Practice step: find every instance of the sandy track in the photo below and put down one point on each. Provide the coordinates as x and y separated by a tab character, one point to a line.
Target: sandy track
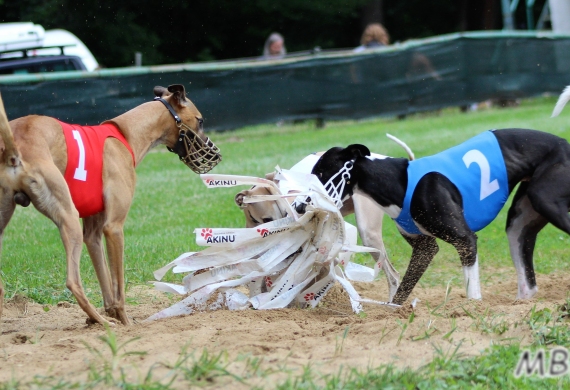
34	341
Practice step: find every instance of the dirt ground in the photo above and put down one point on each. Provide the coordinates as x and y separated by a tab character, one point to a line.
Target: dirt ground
53	342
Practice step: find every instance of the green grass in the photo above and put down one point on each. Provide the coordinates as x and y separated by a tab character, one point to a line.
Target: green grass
171	201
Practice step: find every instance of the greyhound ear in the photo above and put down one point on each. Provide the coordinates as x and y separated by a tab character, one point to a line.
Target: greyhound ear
159	91
270	176
178	94
357	150
239	199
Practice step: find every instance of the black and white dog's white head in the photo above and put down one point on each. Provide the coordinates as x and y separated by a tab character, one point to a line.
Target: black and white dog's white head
335	170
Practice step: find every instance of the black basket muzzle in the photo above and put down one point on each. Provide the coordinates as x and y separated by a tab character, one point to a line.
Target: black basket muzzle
199	155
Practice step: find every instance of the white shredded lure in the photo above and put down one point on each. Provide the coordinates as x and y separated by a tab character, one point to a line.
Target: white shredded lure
293	259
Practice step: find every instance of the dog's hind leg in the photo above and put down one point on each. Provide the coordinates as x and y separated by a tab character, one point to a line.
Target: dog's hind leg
50	195
92	236
7	207
544	199
1	298
549	195
523	225
424	249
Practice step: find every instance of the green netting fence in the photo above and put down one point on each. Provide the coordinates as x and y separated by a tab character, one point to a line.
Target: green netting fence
418	75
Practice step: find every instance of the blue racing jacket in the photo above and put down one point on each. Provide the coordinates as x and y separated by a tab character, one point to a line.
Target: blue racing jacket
477	169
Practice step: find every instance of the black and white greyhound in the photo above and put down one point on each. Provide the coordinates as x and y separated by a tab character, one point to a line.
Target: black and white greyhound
453	194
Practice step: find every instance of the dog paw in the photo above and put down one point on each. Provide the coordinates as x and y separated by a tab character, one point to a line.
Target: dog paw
527	293
91	321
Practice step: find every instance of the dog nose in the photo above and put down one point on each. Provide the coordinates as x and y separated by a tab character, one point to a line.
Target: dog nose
301	208
265	220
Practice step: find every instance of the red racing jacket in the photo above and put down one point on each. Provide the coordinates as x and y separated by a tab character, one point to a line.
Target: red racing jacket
84	170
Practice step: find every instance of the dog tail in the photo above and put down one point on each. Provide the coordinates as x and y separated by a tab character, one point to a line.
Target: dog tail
403	145
11	154
562	100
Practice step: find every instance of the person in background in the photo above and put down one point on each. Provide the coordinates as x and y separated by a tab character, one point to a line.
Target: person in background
274	47
374	35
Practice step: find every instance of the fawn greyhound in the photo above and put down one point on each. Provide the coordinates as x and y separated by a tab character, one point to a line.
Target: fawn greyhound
68	172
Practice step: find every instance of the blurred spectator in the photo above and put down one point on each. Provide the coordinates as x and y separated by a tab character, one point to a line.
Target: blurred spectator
274	47
421	67
374	35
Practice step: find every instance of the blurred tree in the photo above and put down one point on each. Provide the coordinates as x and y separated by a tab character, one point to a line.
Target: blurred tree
480	15
419	18
372	12
111	30
182	31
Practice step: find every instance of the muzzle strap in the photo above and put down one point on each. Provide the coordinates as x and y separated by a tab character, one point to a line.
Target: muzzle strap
335	190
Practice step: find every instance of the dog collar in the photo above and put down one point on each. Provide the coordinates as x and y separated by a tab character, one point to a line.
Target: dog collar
199	155
170	108
335	191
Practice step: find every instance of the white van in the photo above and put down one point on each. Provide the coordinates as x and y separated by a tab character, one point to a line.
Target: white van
28	48
17	36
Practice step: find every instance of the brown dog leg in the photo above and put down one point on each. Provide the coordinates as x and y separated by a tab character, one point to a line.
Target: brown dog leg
48	191
115	246
1	298
7	207
71	237
92	236
119	187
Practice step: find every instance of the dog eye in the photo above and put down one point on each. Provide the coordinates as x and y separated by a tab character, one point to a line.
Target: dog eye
200	123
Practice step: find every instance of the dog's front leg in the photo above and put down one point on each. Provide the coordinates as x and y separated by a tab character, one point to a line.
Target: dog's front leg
466	246
118	190
437	208
92	236
114	238
465	242
117	204
424	249
369	224
471	280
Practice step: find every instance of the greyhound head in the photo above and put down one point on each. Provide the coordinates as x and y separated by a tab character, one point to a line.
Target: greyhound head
190	142
334	170
259	212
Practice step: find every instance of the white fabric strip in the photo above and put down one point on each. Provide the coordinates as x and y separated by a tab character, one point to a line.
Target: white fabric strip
297	258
